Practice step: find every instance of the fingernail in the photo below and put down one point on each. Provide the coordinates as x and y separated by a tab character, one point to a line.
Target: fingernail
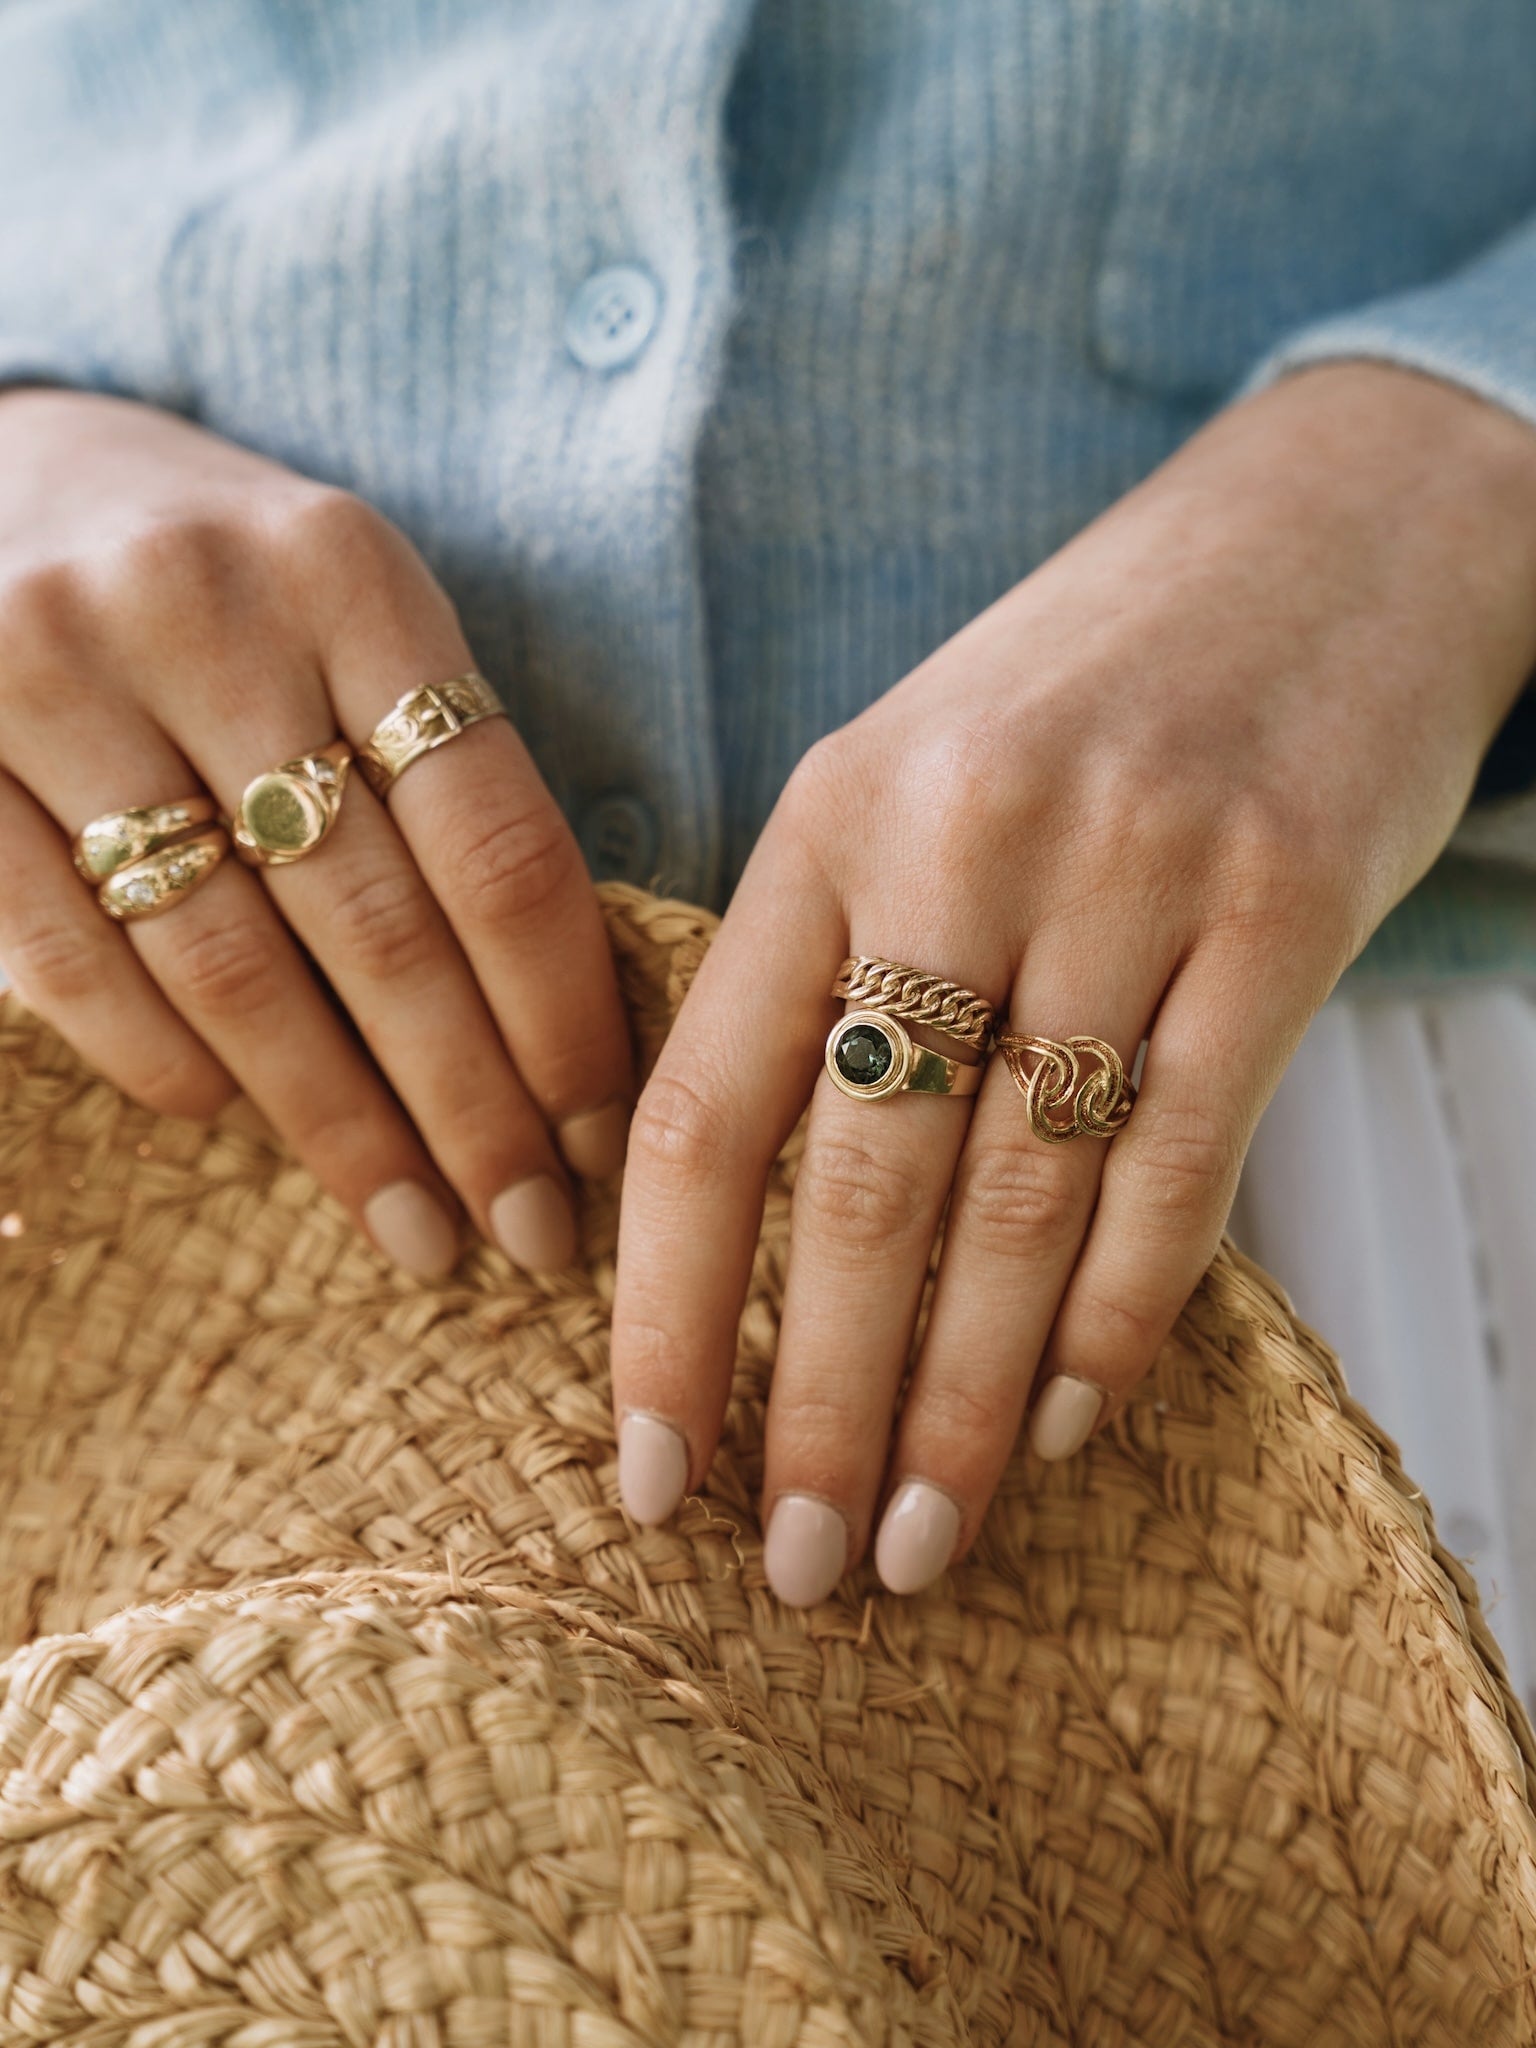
917	1535
805	1549
653	1467
533	1224
411	1227
593	1143
1064	1416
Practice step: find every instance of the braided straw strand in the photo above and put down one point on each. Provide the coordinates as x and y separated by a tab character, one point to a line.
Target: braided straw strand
342	1705
920	998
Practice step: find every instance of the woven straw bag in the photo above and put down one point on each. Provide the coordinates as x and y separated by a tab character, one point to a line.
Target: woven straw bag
344	1708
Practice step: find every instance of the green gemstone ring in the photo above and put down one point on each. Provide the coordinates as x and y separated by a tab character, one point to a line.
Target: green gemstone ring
870	1056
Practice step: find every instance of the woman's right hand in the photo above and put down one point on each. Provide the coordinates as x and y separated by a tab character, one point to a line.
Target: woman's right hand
178	615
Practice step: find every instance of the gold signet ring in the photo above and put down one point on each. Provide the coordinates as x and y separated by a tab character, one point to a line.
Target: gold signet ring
284	814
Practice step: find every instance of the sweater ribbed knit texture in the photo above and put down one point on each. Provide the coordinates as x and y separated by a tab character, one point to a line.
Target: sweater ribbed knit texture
937	284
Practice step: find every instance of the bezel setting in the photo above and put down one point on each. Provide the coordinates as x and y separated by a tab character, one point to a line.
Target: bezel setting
895	1076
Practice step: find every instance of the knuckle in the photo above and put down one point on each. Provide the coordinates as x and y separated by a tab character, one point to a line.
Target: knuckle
41	607
187	562
384	924
855	1199
221	970
515	869
1185	1162
677	1130
1018	1199
960	1412
54	963
1120	1332
179	1084
328	532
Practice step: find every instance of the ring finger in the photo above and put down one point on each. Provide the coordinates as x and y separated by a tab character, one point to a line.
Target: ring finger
1019	1212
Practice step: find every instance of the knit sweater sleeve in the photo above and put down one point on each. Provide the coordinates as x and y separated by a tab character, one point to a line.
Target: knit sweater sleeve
1477	329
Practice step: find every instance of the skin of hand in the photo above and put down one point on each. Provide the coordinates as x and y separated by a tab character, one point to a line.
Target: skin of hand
176	615
1163	789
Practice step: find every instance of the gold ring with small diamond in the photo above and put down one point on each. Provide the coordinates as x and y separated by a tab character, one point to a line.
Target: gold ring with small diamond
111	841
285	813
160	880
420	721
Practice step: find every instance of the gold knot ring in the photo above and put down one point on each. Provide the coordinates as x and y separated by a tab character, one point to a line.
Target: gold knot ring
921	998
421	720
286	812
1062	1101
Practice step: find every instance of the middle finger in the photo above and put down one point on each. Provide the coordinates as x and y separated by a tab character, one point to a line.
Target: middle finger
868	1196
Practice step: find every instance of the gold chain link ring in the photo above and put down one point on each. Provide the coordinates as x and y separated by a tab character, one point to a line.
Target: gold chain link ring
920	998
1097	1104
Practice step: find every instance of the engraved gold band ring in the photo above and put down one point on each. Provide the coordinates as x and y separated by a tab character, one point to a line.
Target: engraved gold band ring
1072	1087
421	720
144	861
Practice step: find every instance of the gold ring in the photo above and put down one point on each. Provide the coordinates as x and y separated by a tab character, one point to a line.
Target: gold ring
1097	1104
160	880
285	813
421	720
870	1056
920	998
113	840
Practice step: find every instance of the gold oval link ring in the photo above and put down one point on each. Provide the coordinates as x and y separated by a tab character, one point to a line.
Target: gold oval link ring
286	812
162	879
1096	1104
111	841
421	720
901	991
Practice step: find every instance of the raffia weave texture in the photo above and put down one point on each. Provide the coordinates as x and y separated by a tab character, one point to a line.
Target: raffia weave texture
344	1709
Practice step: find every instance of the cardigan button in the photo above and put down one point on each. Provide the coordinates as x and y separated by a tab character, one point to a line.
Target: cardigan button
612	317
619	839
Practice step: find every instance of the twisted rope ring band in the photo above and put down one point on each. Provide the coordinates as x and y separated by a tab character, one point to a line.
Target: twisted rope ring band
920	998
1096	1106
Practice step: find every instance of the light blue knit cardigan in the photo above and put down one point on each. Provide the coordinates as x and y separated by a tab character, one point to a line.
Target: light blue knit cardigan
899	294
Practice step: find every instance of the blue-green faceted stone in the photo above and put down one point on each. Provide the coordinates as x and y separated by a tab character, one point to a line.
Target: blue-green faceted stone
863	1055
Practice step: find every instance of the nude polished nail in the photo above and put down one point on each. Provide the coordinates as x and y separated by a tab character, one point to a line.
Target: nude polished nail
653	1467
533	1224
1064	1416
917	1535
411	1227
593	1143
805	1549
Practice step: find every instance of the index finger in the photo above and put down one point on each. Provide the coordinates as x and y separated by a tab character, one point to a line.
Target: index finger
731	1081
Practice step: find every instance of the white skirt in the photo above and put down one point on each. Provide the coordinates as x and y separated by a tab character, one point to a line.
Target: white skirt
1391	1189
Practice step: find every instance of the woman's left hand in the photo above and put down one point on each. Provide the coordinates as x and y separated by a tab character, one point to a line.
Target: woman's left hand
1165	788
